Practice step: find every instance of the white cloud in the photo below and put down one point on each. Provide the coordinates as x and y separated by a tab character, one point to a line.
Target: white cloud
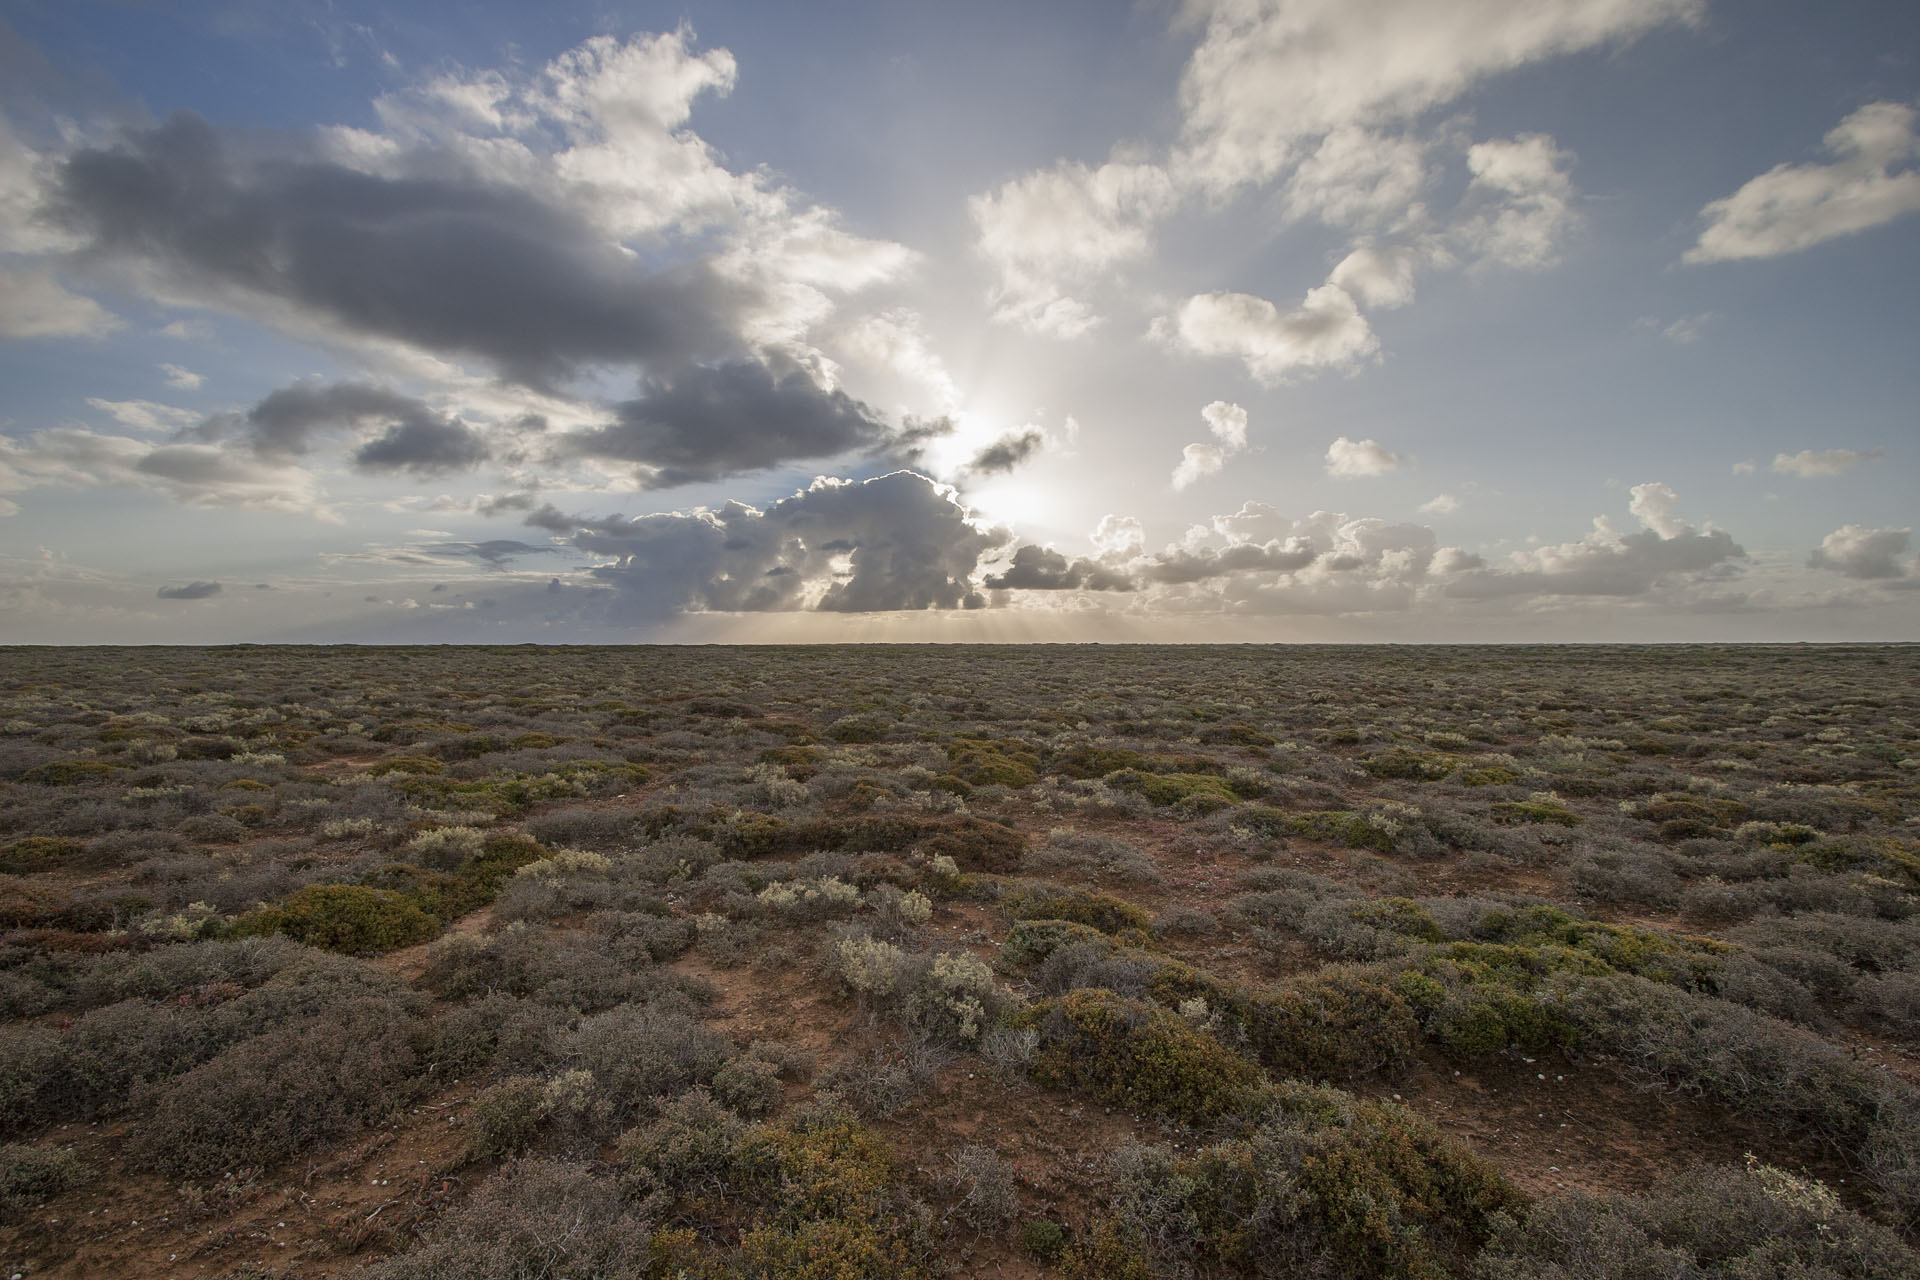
1522	202
35	305
1325	331
1196	462
1269	74
1653	505
1689	329
1793	207
1809	463
1054	230
1359	178
1118	537
1869	554
145	415
182	378
896	340
1352	458
1745	468
1440	505
1228	422
1378	275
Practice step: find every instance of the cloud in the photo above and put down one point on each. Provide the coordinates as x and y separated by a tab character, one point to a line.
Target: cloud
35	305
1036	568
181	378
412	435
545	221
895	542
1792	207
1359	178
896	340
144	415
1689	329
193	474
192	591
1745	468
1353	458
1378	275
1054	230
1440	505
494	552
1325	331
1269	75
1008	452
1521	202
453	265
706	422
1196	462
1868	554
1118	537
1228	422
1808	463
1608	563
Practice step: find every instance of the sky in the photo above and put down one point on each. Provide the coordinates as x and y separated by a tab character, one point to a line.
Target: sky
1189	320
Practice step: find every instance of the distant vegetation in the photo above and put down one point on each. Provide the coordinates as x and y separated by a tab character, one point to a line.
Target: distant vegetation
923	961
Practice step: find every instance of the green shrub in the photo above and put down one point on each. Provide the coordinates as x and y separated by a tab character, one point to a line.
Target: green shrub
1516	812
984	763
68	773
1337	1024
1100	911
1032	941
505	1117
1326	1185
1174	788
1411	766
1044	1239
39	853
1139	1055
348	918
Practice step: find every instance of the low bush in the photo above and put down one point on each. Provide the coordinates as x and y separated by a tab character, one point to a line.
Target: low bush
1139	1055
1101	911
348	918
31	1175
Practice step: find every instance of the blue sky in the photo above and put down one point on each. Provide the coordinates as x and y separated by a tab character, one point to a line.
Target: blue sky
1227	319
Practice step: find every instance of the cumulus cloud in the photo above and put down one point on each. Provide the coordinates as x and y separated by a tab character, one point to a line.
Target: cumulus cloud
1325	331
709	421
1359	178
1520	202
1869	182
1872	555
1378	275
1353	458
1196	462
895	542
180	377
1809	463
192	591
1271	74
1228	423
896	340
1118	537
493	215
1053	231
33	304
1036	568
1607	562
1440	505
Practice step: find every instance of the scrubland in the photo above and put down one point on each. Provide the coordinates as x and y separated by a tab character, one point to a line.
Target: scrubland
1116	961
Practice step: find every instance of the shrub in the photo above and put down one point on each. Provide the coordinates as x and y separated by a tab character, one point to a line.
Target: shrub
638	1054
30	1175
534	1220
1713	1224
1326	1185
39	853
1335	1025
280	1093
694	1148
348	918
1101	911
984	1183
1139	1055
505	1117
748	1084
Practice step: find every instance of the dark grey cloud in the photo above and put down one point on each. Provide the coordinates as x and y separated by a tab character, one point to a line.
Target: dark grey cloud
497	552
709	421
893	542
192	591
452	262
1006	453
416	437
1036	568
